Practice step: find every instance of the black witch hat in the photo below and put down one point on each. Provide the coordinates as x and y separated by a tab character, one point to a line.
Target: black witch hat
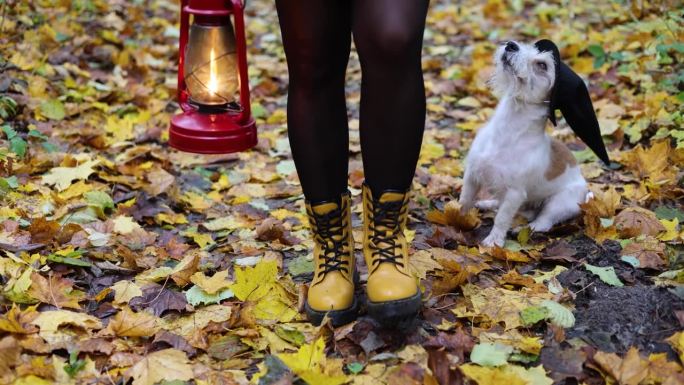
570	95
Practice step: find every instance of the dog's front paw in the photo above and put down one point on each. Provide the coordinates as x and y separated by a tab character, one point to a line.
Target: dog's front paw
494	239
540	226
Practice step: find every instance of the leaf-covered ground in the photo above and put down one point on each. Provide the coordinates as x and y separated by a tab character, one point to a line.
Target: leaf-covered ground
124	261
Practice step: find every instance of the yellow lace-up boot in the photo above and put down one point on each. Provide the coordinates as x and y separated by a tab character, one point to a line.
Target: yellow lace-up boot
394	298
331	290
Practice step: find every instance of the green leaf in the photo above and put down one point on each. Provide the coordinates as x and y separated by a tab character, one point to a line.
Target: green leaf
606	274
632	260
10	182
669	213
37	134
196	296
99	199
525	358
53	109
290	334
9	132
74	365
533	314
486	354
596	50
68	260
258	111
18	146
558	314
355	367
300	265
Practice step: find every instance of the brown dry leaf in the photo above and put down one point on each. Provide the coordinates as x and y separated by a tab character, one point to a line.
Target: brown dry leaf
602	206
514	278
660	370
457	269
630	370
501	305
43	231
160	181
508	255
421	263
454	217
127	323
185	268
164	365
55	291
9	358
635	221
19	321
650	252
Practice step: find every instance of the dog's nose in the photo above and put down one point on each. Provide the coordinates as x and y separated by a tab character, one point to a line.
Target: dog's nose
512	47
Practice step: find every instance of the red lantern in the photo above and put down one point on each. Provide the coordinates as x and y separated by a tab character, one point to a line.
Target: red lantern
213	87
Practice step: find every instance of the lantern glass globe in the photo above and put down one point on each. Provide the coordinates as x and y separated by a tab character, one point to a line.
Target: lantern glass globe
210	68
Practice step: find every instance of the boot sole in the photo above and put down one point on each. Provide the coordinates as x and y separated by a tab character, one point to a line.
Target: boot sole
337	317
398	314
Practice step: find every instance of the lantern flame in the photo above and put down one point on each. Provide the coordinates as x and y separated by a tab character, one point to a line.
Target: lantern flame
213	82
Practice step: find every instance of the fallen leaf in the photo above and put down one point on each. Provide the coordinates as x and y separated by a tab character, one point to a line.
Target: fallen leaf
213	285
650	254
606	274
636	221
485	354
163	365
127	323
55	291
61	177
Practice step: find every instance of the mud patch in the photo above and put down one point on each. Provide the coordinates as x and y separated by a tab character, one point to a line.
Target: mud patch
615	318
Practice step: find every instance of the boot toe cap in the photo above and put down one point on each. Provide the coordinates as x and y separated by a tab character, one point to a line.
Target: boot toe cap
333	293
385	285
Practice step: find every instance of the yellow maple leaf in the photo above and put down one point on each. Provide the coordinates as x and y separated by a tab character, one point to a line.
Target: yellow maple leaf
164	365
275	305
171	218
213	285
506	375
254	282
671	230
310	363
61	177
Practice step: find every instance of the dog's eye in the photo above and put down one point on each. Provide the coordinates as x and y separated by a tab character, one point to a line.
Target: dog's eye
541	65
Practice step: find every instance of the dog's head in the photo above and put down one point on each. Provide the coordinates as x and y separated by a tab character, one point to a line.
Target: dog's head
523	73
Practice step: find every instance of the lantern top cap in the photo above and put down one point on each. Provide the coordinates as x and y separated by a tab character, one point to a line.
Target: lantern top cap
211	7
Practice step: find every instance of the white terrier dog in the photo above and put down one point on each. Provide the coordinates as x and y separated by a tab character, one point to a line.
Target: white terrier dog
512	156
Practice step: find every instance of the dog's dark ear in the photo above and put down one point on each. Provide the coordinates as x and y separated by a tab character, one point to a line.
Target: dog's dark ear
570	95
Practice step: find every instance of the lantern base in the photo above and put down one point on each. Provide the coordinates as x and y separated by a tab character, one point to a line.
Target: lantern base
203	133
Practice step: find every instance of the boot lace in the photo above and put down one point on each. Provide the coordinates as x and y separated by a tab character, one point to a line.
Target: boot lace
330	235
385	228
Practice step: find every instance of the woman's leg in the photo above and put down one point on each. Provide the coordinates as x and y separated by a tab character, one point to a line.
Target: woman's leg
317	38
389	38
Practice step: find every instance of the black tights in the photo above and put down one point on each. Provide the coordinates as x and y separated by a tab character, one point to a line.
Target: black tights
317	39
